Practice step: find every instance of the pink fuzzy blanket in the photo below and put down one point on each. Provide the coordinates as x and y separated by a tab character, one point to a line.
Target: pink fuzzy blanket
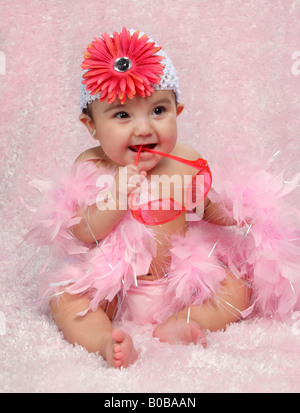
242	60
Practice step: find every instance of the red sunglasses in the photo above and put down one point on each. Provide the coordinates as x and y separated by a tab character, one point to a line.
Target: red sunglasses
161	211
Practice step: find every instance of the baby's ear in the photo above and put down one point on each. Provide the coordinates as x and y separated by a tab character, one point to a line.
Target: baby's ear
180	107
88	122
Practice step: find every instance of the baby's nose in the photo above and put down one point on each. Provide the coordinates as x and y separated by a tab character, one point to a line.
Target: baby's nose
143	128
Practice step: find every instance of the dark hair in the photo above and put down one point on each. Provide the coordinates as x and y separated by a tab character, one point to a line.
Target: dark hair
88	111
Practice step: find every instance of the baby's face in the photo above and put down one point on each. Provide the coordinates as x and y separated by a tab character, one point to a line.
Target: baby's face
149	121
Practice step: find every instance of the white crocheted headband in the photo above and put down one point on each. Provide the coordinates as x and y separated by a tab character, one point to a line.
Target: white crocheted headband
123	65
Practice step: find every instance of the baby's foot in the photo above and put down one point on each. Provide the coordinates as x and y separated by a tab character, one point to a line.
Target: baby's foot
120	351
180	331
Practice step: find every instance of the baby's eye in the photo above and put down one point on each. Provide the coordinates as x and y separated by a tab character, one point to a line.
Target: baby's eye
121	115
159	110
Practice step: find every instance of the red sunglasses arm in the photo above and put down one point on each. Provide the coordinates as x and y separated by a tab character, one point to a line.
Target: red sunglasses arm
198	163
138	155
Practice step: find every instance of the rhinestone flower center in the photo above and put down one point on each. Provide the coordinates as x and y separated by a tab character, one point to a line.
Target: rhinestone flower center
122	64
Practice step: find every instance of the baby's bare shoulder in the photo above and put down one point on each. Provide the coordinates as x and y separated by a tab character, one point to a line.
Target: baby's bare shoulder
186	151
90	154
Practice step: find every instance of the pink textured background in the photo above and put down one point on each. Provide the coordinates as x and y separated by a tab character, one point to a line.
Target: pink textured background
234	60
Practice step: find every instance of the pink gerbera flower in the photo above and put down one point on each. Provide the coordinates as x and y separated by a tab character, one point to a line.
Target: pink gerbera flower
121	66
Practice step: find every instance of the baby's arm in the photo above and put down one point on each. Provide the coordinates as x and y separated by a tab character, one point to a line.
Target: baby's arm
95	223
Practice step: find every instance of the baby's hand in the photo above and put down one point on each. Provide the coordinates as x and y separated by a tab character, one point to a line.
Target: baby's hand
129	179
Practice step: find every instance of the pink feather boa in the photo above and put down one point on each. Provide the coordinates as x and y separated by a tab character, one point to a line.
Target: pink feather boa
262	203
110	268
53	220
195	272
102	270
264	247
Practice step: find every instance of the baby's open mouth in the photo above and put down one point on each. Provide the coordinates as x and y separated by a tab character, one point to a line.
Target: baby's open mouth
135	148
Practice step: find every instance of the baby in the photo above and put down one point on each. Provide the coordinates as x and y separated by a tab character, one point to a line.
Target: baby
124	258
126	116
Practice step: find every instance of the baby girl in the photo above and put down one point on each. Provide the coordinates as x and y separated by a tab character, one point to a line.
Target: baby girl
135	258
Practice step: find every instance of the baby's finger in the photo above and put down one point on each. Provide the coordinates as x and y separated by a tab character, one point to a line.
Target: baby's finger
132	168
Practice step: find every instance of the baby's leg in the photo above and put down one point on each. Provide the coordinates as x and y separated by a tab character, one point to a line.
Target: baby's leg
224	308
94	330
